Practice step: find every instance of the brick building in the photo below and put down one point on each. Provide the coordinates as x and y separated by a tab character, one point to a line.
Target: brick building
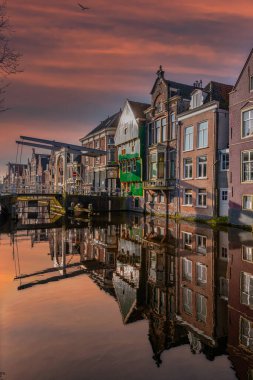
240	302
101	173
168	98
203	152
241	147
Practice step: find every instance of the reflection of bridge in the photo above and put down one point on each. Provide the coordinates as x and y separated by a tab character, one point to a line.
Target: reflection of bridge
9	202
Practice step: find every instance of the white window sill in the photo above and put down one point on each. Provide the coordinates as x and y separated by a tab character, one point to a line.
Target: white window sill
187	205
189	150
186	179
201	206
201	178
203	147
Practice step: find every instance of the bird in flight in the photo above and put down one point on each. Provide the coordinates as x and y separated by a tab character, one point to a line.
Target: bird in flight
82	7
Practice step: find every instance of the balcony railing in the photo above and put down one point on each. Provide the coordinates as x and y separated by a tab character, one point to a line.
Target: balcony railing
159	183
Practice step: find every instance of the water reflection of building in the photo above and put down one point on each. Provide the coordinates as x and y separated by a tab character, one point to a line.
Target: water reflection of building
99	250
129	279
160	242
240	304
202	288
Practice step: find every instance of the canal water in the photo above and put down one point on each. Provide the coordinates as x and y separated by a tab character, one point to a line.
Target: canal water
125	297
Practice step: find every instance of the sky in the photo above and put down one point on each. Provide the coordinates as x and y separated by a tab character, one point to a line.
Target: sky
79	67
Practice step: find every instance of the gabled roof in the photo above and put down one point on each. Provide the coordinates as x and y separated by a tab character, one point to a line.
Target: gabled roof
109	122
138	109
183	90
245	65
219	92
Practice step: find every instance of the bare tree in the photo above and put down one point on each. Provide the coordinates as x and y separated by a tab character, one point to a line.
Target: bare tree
9	57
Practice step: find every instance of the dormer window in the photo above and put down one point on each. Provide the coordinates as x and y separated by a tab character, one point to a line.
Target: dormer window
196	99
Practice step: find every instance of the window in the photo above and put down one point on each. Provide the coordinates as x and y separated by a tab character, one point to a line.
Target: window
187	240
224	253
187	168
224	161
203	135
201	273
201	243
134	165
247	166
129	166
172	126
123	151
188	197
152	166
246	333
201	166
224	195
123	166
164	124
247	289
187	300
111	155
111	140
196	99
160	165
202	197
247	253
158	131
162	198
247	123
173	164
188	138
247	202
187	269
201	305
223	290
150	134
125	130
251	83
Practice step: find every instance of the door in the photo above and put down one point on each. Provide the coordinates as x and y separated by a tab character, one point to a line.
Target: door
223	202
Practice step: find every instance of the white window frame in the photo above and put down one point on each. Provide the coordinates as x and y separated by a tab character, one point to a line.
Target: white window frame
201	273
202	312
249	162
187	240
248	119
201	167
173	134
202	248
246	289
188	137
224	162
246	333
187	299
249	202
187	197
187	168
202	135
201	194
163	127
247	253
186	269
